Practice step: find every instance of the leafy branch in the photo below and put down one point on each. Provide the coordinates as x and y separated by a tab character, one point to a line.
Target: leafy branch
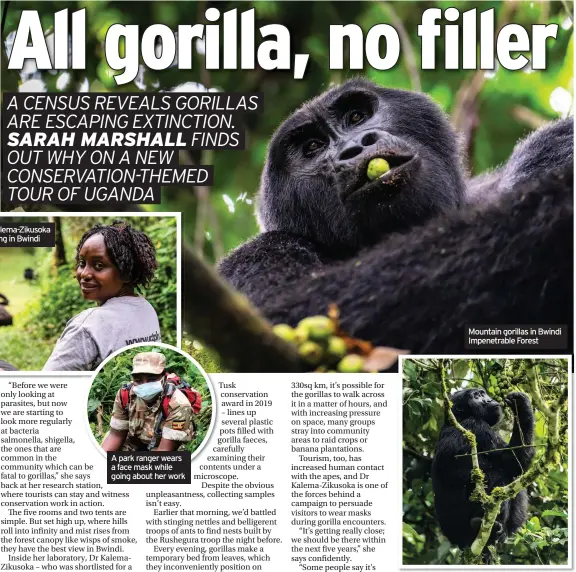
477	474
502	449
226	321
540	466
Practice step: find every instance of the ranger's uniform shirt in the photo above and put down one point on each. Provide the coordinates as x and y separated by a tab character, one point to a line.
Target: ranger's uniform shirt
139	419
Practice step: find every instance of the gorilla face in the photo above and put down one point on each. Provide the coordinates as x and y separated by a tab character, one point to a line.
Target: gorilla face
315	184
476	403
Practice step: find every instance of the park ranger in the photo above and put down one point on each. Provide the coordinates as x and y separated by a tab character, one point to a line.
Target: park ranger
143	417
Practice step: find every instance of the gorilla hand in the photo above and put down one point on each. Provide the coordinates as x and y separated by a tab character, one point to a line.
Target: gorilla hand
517	400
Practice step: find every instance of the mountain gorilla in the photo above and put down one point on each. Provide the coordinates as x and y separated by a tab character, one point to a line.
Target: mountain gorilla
458	516
406	260
315	183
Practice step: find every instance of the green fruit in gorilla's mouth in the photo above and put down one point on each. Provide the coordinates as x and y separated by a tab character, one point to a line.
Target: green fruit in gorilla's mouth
377	167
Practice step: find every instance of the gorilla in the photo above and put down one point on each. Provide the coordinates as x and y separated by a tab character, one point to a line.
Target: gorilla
5	366
315	184
29	274
458	516
413	257
5	316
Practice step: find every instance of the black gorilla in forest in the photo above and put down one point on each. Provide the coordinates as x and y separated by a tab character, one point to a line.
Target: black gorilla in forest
460	518
315	184
410	258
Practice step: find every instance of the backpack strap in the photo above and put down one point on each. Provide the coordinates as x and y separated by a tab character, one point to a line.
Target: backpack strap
172	383
169	389
125	395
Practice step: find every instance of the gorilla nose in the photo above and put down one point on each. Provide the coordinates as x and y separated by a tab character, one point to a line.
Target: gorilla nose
353	157
357	145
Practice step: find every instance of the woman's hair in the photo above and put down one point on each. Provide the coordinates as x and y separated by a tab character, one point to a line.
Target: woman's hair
130	250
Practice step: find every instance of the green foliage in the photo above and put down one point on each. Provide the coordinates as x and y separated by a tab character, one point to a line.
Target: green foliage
117	372
544	538
58	301
209	360
15	348
548	539
161	293
12	283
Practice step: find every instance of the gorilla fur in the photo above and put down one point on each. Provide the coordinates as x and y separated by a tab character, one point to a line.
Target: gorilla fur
458	516
310	196
408	263
550	148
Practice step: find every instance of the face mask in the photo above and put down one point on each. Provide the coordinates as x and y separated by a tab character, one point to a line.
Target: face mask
148	391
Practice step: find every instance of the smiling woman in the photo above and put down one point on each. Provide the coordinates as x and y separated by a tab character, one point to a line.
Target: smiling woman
112	262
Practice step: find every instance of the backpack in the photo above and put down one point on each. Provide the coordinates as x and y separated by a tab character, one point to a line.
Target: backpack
172	383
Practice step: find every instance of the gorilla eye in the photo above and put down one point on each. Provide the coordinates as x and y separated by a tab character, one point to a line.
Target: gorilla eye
355	117
311	147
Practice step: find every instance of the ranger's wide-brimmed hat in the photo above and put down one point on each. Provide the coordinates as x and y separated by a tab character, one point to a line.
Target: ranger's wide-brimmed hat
149	362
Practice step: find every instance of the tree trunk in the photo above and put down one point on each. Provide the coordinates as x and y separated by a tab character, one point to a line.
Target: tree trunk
58	254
